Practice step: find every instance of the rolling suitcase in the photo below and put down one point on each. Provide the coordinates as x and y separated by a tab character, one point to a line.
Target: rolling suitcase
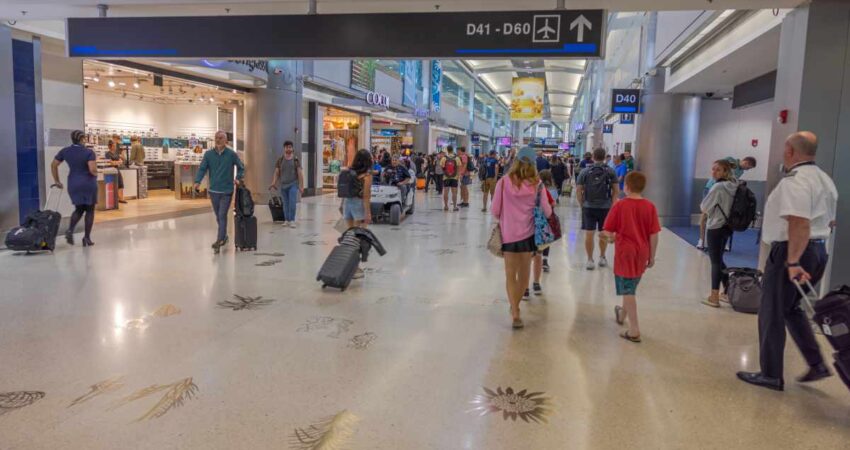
744	290
39	230
832	316
340	266
245	228
276	208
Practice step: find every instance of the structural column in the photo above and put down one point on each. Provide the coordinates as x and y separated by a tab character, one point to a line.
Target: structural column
8	147
666	149
813	86
273	116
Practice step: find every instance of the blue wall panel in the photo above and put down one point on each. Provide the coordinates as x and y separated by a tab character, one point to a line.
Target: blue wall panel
25	127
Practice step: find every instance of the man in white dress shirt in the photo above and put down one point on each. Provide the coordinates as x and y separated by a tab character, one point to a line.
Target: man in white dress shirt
799	217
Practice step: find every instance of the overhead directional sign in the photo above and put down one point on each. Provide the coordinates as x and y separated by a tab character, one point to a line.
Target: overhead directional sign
625	101
553	34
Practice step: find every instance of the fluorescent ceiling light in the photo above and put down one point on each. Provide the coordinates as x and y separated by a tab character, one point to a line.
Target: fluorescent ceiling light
701	35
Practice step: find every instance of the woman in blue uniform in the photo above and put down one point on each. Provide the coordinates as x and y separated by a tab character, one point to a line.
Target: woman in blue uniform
82	183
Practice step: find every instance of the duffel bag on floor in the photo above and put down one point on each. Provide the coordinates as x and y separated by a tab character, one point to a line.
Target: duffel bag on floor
744	290
25	239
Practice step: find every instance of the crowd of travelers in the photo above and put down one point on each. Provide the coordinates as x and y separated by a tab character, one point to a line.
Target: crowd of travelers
522	186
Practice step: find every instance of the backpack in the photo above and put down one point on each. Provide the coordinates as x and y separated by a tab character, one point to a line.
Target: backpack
244	203
470	167
348	184
742	214
450	169
597	184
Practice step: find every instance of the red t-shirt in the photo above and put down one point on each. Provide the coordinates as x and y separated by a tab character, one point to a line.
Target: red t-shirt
633	221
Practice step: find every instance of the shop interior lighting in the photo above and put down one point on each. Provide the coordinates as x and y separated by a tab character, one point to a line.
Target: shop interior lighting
136	84
121	83
111	83
96	78
701	35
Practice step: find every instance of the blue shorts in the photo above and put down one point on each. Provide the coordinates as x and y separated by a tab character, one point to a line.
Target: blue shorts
465	180
352	209
626	286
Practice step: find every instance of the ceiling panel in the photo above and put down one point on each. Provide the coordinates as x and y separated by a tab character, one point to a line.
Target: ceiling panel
561	99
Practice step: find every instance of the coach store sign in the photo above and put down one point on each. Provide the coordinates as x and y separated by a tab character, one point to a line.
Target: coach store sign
373	98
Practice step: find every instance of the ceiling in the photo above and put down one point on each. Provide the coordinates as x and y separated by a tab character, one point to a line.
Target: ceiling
138	85
60	9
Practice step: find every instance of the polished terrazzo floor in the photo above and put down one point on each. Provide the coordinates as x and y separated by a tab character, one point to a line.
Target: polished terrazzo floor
148	340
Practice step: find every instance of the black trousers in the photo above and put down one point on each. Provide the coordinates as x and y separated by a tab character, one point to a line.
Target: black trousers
716	241
780	308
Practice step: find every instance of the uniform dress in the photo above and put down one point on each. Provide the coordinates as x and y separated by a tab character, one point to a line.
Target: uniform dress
807	192
82	185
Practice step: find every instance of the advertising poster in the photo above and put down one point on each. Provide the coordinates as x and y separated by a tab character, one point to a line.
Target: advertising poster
412	74
363	74
436	84
527	98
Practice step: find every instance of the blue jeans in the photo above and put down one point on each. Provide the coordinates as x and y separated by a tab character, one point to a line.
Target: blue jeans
220	205
289	195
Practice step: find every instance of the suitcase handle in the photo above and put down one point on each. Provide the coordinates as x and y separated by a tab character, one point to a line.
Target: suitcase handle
50	195
807	300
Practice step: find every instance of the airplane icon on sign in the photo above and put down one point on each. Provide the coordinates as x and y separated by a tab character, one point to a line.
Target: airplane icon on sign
547	28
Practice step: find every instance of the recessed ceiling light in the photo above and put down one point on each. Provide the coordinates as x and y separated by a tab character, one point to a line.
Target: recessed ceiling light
96	78
136	84
111	83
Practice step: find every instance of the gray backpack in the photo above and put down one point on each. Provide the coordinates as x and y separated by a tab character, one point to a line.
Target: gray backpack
744	290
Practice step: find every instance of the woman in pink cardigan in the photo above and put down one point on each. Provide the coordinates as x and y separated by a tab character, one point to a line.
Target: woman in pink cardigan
513	207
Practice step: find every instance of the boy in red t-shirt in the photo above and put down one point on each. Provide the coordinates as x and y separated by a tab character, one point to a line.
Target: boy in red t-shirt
632	225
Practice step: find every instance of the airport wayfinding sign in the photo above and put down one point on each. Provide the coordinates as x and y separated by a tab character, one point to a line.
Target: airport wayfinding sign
625	101
542	34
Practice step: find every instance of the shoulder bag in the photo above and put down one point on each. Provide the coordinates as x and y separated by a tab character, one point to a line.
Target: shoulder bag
494	244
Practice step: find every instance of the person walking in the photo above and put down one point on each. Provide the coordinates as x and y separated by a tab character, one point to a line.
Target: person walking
431	172
466	169
717	206
288	171
490	170
597	190
451	176
82	183
633	227
541	162
220	163
513	206
799	217
738	167
621	169
559	176
438	171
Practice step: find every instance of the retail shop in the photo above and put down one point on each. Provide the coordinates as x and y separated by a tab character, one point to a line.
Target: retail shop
342	136
173	118
444	136
394	135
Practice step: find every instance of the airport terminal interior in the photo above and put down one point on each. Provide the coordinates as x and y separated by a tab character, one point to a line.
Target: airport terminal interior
298	330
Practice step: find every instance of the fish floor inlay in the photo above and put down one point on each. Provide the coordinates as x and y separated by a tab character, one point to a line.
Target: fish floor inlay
244	302
332	433
176	394
99	388
362	341
514	404
145	321
326	323
10	401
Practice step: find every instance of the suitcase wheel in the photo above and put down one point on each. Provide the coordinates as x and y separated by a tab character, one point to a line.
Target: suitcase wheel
324	286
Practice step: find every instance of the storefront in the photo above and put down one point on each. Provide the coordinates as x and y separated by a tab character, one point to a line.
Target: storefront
342	132
392	135
175	120
444	136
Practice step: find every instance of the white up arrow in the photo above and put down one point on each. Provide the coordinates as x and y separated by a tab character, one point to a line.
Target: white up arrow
581	22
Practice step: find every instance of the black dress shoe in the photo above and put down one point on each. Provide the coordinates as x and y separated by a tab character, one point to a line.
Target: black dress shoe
758	379
815	373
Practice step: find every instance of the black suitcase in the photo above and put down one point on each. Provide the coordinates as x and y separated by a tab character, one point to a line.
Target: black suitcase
276	208
340	266
831	316
39	230
245	229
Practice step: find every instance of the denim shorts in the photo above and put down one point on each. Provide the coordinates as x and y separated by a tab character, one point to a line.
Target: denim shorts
465	180
626	286
352	209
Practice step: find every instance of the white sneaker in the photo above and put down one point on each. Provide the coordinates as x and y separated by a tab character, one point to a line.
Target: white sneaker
590	265
358	274
284	224
700	245
603	262
291	224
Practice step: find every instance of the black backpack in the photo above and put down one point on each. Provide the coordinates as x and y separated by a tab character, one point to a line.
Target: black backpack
742	214
597	184
244	202
348	185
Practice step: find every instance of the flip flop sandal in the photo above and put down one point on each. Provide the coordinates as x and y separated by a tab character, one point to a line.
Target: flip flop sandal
625	335
713	305
517	324
619	315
